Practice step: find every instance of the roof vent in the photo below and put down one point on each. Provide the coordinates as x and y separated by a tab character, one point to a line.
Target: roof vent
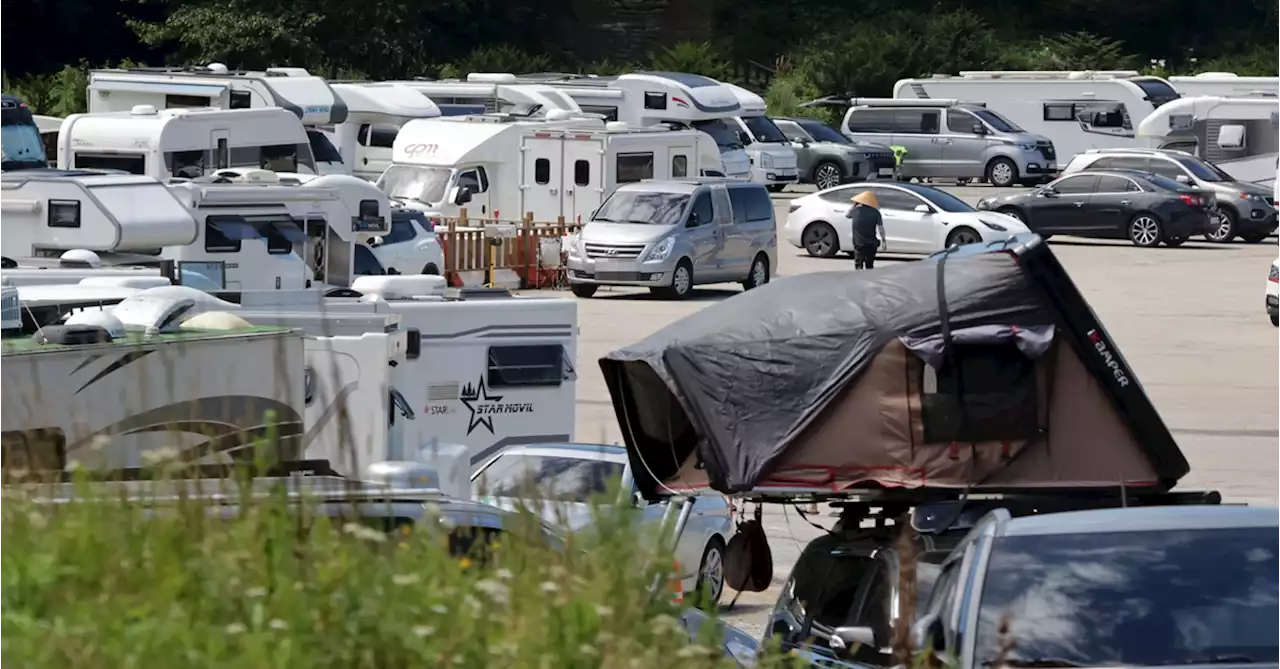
143	110
217	68
247	176
215	320
491	78
71	335
97	318
559	115
80	258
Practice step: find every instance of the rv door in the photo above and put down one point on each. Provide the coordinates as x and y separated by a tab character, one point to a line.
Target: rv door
220	140
583	178
541	178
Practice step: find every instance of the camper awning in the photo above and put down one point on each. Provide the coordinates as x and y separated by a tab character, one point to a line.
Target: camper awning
234	227
820	382
161	88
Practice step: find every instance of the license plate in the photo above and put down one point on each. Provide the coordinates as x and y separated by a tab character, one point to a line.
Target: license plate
614	266
886	171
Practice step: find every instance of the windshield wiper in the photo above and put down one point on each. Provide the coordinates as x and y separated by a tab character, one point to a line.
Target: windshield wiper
1036	662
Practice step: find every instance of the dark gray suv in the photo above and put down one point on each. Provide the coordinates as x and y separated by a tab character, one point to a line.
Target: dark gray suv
827	159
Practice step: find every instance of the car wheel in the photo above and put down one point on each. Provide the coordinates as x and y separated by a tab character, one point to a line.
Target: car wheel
431	268
1253	238
820	240
775	188
681	282
1144	230
583	289
759	274
1225	229
962	236
1275	320
711	575
1002	173
828	175
1175	242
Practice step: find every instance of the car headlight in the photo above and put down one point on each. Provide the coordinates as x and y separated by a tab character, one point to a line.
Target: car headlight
661	250
1027	147
994	226
766	160
984	203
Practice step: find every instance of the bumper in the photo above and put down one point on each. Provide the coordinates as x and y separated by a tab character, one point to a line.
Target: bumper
773	175
620	272
1256	221
1189	226
1041	169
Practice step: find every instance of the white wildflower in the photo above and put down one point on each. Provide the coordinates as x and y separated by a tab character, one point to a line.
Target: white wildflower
254	593
604	611
159	455
99	442
278	624
548	587
439	608
37	520
423	630
690	651
503	574
235	628
496	591
367	533
405	579
471	603
586	649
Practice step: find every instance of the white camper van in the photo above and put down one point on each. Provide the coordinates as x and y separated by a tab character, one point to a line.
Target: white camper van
307	96
560	166
773	161
1238	134
184	143
1225	84
661	98
1077	111
375	113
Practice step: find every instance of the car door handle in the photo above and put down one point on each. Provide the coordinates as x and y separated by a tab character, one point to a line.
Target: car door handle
1079	204
1124	202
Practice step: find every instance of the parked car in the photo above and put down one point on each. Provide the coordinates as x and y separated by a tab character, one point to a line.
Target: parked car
827	158
411	246
1160	586
569	475
1273	293
673	235
918	220
1244	209
949	139
1144	208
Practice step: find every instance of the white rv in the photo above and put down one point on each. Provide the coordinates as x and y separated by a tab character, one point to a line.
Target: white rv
1077	111
307	96
490	93
375	113
773	161
184	143
661	98
1238	134
503	167
1225	84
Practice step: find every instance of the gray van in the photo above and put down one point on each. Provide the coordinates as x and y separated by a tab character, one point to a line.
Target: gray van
954	140
672	235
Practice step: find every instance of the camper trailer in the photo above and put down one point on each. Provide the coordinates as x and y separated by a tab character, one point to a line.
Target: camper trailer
499	166
1224	84
184	143
307	96
1238	134
1077	111
375	113
773	161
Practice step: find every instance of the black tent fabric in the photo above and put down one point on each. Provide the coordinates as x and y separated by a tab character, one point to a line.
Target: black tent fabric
734	384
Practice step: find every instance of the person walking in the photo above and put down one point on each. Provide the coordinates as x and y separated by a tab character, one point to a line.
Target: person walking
868	229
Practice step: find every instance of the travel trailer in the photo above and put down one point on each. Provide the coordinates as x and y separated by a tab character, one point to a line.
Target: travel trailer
307	96
1238	134
773	161
20	145
499	166
1225	84
375	112
184	143
1077	111
661	98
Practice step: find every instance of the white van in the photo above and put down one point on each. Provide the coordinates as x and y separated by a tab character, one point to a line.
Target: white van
773	161
185	143
502	167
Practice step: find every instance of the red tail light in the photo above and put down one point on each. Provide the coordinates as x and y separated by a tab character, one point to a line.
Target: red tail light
1191	200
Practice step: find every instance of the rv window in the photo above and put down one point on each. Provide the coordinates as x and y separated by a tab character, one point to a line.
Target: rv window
1103	116
542	171
982	393
223	234
1059	111
322	149
380	136
634	167
182	101
475	180
871	120
64	213
185	164
126	162
279	158
581	173
241	100
523	366
280	235
655	100
679	166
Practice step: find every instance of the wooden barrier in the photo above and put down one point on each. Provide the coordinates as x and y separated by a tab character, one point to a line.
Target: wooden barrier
466	248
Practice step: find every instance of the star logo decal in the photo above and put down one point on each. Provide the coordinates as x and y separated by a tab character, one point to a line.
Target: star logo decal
470	397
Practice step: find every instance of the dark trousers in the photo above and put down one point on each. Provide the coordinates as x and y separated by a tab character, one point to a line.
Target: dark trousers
864	256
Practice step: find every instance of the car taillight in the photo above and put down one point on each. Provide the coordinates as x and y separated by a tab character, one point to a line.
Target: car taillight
1192	200
1274	276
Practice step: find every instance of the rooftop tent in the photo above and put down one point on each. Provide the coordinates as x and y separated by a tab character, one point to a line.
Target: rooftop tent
836	380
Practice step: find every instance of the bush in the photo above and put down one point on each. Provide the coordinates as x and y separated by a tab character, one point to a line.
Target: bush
693	57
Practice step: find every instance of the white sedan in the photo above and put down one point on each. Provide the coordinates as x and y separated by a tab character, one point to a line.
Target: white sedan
918	220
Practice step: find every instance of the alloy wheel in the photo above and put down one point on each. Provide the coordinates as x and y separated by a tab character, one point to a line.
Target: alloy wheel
962	237
711	575
819	241
1001	173
680	282
827	176
759	273
1144	231
1222	229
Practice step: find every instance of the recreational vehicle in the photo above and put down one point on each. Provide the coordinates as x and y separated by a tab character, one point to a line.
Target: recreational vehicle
49	127
661	98
1238	134
1225	84
307	96
503	167
1077	111
773	161
20	145
184	143
491	93
375	112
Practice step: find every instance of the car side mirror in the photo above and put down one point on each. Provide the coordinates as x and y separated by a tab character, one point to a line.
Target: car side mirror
694	220
463	195
802	141
927	634
923	209
1182	179
979	129
1048	192
375	242
845	640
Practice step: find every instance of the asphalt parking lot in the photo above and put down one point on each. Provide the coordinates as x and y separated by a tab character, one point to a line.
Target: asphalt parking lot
1189	320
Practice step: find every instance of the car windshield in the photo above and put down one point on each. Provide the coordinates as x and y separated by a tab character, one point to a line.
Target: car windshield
549	477
764	130
20	141
643	207
725	135
415	183
321	148
1203	170
1134	598
941	199
995	120
822	132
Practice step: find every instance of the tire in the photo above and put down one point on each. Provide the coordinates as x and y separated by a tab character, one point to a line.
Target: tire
1002	173
1144	230
1175	242
1253	238
1275	319
758	275
583	289
775	188
820	240
430	268
681	282
828	174
711	585
963	235
1226	228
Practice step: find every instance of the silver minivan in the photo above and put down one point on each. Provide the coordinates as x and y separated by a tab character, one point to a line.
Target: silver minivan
954	140
672	235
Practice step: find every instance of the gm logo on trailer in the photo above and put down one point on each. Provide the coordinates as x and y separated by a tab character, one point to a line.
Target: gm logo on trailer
414	150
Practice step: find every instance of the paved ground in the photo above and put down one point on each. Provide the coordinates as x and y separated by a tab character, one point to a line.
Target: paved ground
1190	321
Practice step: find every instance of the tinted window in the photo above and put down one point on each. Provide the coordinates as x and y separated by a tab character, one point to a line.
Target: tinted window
738	200
223	234
702	208
637	206
759	206
726	135
1173	597
792	131
634	167
542	171
185	164
581	173
546	477
1112	184
1122	163
895	199
133	164
941	199
1059	111
181	101
1157	91
366	264
960	121
402	230
241	100
995	120
916	121
523	366
822	132
842	195
381	136
1073	185
1167	168
679	166
763	129
321	148
474	180
1200	169
871	120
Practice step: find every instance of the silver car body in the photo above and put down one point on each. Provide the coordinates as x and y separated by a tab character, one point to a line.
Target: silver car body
950	139
735	225
710	521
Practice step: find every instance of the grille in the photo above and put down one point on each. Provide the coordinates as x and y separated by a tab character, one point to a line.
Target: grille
614	251
1047	150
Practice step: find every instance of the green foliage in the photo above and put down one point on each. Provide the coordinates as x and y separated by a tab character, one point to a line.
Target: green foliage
1070	51
58	94
502	58
1260	60
697	57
